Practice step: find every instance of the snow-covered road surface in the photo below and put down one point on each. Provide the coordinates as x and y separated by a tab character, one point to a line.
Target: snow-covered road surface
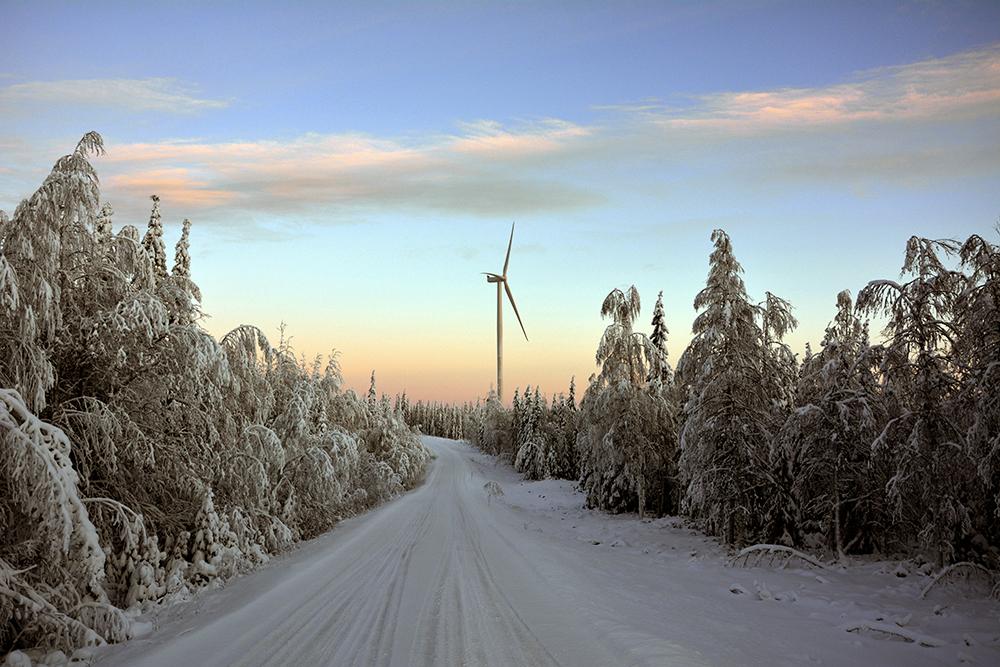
451	574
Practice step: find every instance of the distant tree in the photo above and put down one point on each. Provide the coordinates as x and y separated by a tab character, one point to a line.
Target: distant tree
531	451
182	252
659	340
152	242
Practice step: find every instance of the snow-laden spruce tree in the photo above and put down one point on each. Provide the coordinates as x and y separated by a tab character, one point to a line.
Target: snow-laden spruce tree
152	242
372	396
30	278
933	475
627	436
977	356
658	338
780	367
531	459
51	561
493	432
563	427
727	418
829	486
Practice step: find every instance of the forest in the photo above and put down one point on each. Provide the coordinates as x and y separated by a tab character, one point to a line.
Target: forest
888	446
140	458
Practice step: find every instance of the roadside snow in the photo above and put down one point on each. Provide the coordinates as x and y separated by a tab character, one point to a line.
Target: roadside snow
479	567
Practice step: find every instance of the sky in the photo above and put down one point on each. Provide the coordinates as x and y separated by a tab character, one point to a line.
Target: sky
350	169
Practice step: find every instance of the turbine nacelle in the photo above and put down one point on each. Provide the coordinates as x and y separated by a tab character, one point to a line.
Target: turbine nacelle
502	278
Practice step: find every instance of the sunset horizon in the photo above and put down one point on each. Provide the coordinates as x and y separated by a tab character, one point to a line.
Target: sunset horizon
336	212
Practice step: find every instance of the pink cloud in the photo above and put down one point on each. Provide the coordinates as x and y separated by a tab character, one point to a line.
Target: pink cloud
470	173
174	184
966	83
487	168
489	137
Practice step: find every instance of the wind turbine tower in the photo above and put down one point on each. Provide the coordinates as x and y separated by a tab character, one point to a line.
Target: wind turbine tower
501	281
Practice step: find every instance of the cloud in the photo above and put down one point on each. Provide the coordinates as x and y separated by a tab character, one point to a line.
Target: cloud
492	138
486	170
904	126
965	84
177	185
163	95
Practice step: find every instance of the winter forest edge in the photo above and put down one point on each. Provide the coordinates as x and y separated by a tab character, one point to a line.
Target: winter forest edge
860	448
141	459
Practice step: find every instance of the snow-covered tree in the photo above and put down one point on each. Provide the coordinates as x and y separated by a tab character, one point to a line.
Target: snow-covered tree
147	418
725	438
531	458
933	474
977	358
152	242
828	483
627	434
372	397
659	340
30	277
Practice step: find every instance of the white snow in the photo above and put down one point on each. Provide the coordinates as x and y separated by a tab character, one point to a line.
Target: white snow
450	574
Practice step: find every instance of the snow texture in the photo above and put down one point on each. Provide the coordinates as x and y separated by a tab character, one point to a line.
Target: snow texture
448	574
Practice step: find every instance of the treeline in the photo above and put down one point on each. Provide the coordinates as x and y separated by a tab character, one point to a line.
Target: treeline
859	447
139	456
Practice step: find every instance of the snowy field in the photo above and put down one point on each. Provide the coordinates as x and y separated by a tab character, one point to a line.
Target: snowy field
464	572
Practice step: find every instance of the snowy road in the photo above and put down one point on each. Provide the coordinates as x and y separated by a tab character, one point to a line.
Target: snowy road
448	575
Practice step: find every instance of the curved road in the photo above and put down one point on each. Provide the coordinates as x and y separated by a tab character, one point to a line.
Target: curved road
445	575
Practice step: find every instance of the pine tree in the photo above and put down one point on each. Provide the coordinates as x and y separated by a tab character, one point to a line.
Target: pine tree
933	479
977	404
102	230
829	485
624	439
659	341
152	242
182	256
30	272
724	441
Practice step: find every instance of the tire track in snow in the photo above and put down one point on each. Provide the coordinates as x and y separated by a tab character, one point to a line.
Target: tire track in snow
438	576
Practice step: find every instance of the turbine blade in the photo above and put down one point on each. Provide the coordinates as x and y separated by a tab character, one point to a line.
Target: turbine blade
509	244
511	297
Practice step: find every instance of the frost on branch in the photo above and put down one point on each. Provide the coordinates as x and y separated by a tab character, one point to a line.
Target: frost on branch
970	577
891	632
772	555
58	595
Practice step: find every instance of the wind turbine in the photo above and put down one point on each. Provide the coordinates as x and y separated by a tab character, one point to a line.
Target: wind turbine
501	280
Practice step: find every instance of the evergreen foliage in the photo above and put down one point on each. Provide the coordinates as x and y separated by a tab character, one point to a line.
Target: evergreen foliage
858	448
140	457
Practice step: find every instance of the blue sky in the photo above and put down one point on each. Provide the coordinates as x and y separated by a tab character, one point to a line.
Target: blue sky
350	168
